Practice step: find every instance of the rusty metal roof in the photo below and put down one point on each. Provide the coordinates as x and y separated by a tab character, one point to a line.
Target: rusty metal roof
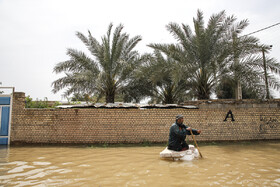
126	105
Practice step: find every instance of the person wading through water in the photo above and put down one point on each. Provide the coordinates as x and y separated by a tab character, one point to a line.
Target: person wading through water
177	135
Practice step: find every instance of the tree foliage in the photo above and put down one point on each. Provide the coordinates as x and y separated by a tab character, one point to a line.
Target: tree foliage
200	52
211	58
29	103
215	52
114	61
169	85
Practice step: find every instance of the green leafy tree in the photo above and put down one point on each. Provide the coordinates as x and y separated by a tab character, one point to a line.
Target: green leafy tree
29	103
245	63
158	79
216	52
201	52
226	90
138	89
114	62
169	88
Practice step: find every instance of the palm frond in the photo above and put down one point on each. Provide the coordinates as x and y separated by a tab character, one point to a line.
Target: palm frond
110	69
177	32
79	61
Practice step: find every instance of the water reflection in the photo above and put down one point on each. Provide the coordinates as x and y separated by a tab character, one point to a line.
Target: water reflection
224	165
4	151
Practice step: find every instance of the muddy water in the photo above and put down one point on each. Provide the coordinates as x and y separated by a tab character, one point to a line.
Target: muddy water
253	164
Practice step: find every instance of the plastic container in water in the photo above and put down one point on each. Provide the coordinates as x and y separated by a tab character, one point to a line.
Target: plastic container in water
188	155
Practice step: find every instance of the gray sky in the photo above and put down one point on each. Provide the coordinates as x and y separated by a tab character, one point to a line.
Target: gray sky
34	34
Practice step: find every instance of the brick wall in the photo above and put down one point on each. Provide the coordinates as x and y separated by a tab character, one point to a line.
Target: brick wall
254	120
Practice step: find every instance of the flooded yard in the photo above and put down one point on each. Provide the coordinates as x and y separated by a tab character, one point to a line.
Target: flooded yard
234	164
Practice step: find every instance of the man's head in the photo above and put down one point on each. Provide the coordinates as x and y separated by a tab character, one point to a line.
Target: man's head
180	119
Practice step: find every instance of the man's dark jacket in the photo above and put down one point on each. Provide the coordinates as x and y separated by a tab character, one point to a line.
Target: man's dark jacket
177	136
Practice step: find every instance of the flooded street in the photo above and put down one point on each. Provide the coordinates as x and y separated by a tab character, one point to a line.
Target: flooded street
246	164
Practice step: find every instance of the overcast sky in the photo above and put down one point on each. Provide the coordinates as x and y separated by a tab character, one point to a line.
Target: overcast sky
34	34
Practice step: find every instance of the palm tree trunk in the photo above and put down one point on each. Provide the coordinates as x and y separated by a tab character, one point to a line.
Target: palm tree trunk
110	95
110	98
168	95
203	91
168	100
238	91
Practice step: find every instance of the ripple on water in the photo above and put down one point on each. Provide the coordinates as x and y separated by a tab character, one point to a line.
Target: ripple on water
19	163
233	173
67	163
255	175
263	170
41	163
84	165
277	180
20	169
49	171
28	173
225	165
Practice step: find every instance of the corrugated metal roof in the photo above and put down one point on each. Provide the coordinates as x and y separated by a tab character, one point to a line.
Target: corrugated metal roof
126	105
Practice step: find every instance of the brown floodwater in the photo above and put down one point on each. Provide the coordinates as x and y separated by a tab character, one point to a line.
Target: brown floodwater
238	164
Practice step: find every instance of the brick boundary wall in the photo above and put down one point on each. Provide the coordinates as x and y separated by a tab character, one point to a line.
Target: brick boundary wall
254	120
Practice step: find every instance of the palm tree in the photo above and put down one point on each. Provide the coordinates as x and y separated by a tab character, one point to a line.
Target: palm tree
245	64
216	52
226	90
161	74
242	52
201	53
271	68
139	87
114	60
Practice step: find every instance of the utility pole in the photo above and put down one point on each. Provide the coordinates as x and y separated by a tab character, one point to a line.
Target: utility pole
238	88
265	73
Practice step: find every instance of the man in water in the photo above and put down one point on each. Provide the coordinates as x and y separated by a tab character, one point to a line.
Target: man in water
177	135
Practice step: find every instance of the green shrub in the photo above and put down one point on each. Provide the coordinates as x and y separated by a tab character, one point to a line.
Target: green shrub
29	103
